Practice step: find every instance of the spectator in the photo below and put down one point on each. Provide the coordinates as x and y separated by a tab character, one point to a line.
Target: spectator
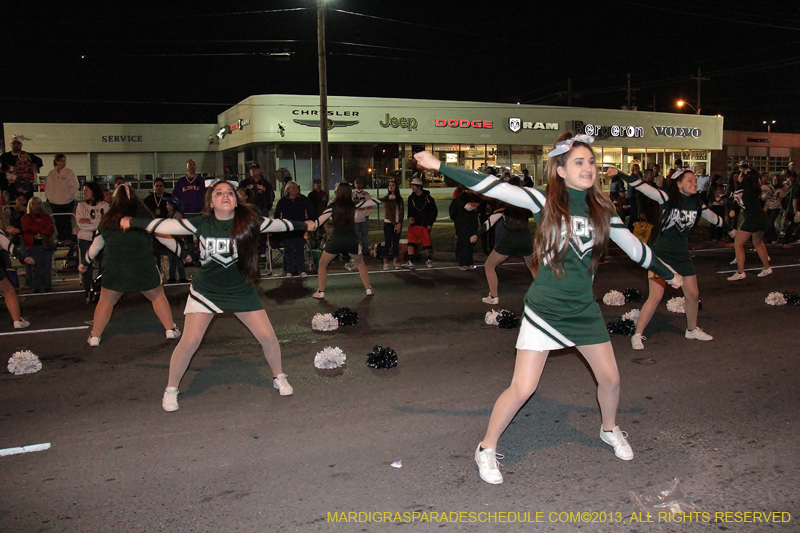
362	216
246	197
633	213
88	213
25	172
422	213
393	210
119	180
649	210
37	232
60	188
464	212
156	202
190	190
658	178
14	233
318	197
262	190
716	197
9	159
108	195
703	183
294	206
526	178
792	210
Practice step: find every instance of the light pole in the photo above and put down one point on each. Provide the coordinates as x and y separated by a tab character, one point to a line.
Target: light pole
769	124
324	163
682	103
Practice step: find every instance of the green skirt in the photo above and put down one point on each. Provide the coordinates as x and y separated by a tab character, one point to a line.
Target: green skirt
519	242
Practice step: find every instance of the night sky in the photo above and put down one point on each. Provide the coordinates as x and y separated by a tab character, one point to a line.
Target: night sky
185	62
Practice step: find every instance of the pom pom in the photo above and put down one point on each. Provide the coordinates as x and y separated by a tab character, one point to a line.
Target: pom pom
623	326
632	315
615	298
381	357
491	317
330	358
24	362
775	298
632	295
325	322
677	304
507	320
346	317
792	298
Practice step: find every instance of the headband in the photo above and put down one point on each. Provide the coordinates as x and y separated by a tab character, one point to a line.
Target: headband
566	145
680	172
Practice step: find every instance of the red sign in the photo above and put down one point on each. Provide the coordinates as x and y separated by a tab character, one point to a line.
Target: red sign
462	123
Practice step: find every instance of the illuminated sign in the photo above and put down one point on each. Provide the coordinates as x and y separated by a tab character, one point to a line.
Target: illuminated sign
315	113
670	131
604	132
238	125
462	123
402	122
515	124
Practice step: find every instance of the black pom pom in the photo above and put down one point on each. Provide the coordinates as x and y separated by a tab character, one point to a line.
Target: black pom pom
507	320
382	358
792	298
623	326
346	317
632	295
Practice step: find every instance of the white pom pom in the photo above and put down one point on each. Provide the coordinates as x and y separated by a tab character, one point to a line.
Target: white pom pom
491	316
633	314
615	298
24	362
326	322
677	304
330	358
775	298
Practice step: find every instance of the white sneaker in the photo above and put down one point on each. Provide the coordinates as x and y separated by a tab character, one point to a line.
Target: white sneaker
765	272
174	333
698	335
429	263
488	467
93	341
319	295
370	292
386	266
21	323
491	300
169	402
737	276
288	275
303	275
636	341
280	383
350	265
616	438
733	262
409	264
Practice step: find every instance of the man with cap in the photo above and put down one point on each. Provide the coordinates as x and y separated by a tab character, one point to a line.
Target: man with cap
362	216
262	189
422	213
190	191
9	159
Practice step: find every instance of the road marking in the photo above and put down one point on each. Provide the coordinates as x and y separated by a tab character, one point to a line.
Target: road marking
758	268
28	331
25	449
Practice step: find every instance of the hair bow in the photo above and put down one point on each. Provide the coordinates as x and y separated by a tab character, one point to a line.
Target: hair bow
566	145
123	186
678	173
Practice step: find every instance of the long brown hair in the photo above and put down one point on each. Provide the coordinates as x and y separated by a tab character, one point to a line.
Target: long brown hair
245	231
344	209
555	214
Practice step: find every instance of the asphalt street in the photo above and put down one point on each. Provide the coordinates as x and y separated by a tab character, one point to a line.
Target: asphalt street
720	416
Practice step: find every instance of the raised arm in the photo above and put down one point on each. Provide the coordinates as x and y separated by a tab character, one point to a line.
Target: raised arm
640	185
165	226
641	253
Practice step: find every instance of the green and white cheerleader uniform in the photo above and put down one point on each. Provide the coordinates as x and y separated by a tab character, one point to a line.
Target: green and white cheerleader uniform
344	240
755	219
562	312
671	245
128	263
512	241
9	247
218	287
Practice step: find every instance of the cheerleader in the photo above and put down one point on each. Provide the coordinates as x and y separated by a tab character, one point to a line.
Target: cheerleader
344	237
128	265
754	224
575	221
681	206
228	237
515	240
7	289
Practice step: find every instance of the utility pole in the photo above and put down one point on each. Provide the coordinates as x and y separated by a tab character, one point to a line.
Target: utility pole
324	162
699	79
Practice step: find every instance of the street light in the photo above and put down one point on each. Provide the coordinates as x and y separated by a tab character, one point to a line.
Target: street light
769	124
682	103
